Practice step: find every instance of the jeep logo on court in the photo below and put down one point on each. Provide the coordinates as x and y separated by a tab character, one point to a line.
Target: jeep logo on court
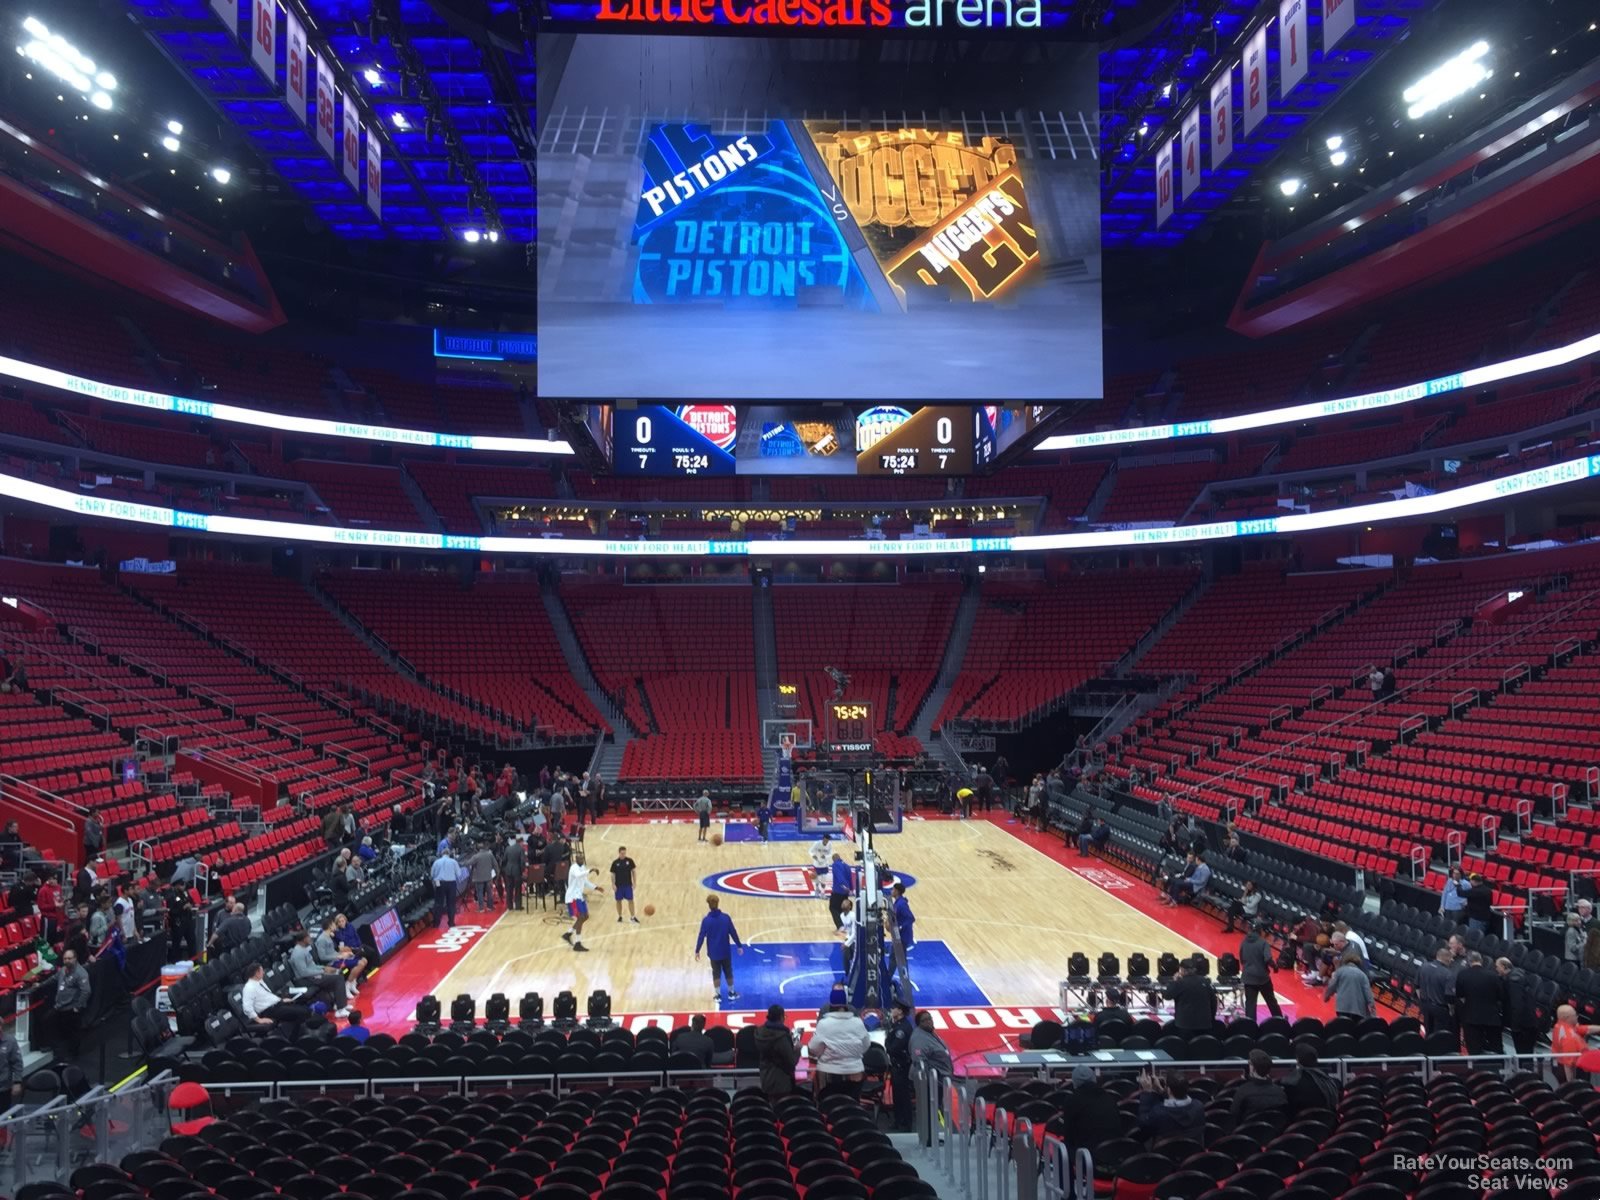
777	883
453	941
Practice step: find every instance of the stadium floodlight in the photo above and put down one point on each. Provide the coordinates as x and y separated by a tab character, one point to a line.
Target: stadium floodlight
107	81
399	119
101	101
1338	158
60	57
221	174
171	143
1290	186
472	235
494	235
174	126
372	77
1335	142
1447	81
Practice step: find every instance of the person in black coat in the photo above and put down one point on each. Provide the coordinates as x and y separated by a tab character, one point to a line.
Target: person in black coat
1167	1111
1089	1113
1194	1000
1480	905
897	1044
1481	1005
1522	1010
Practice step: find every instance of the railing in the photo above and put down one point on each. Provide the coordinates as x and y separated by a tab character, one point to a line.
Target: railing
45	1141
85	705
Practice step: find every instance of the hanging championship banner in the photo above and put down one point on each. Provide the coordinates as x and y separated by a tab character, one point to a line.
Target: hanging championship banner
1222	119
264	38
325	94
295	62
1191	152
1255	80
351	143
228	13
1292	46
1338	19
1163	182
374	175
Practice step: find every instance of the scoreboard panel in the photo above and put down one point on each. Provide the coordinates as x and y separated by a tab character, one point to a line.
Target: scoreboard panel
685	441
936	440
850	726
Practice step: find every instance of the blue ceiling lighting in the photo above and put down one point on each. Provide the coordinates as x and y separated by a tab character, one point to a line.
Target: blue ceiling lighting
1178	53
424	197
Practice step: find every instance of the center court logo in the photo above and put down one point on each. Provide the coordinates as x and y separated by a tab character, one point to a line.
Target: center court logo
774	883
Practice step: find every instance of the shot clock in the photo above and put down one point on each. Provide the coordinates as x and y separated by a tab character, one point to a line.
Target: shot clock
850	727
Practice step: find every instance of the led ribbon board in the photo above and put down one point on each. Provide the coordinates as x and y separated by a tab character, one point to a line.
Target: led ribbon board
111	393
1527	364
1411	507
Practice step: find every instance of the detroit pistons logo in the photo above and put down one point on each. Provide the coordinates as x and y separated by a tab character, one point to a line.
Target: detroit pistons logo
781	883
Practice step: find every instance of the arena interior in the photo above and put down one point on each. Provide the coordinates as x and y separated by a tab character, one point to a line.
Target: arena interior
1057	561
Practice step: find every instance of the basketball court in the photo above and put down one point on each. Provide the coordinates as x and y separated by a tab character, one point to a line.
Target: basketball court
996	918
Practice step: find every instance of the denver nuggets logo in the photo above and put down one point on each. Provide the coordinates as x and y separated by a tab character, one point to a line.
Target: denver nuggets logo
776	883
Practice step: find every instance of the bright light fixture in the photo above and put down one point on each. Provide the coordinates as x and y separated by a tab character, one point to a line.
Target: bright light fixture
59	56
101	101
1290	186
170	143
472	235
371	76
106	80
174	126
1335	142
494	235
399	119
1445	82
1339	157
221	174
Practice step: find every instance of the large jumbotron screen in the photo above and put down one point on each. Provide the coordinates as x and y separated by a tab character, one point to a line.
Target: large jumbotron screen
819	218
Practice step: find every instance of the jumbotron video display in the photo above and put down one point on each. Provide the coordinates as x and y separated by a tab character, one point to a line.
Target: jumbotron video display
713	224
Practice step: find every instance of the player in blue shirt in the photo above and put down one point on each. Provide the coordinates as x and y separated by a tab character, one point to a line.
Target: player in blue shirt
843	889
904	919
718	936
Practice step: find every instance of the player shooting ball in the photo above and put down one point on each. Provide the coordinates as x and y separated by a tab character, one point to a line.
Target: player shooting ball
821	864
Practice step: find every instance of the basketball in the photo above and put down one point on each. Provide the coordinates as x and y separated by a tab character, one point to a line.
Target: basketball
716	839
649	910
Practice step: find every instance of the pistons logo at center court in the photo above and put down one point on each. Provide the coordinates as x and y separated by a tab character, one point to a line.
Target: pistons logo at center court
777	883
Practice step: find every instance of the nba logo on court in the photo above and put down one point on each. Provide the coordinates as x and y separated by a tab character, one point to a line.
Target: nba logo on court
773	883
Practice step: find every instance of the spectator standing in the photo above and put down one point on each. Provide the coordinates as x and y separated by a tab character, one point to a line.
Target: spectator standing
72	1001
1453	896
1194	1000
1572	948
1436	992
1568	1040
10	1067
1481	997
1256	964
837	1046
444	874
514	866
777	1054
482	867
897	1043
1480	904
1350	989
1522	1010
1089	1114
94	838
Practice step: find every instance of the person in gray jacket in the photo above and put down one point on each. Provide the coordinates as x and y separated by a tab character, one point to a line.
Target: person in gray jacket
1256	964
10	1068
1572	950
1350	989
318	980
481	864
72	1000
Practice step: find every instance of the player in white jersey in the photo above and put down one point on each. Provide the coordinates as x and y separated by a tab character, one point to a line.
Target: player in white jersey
578	886
821	863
